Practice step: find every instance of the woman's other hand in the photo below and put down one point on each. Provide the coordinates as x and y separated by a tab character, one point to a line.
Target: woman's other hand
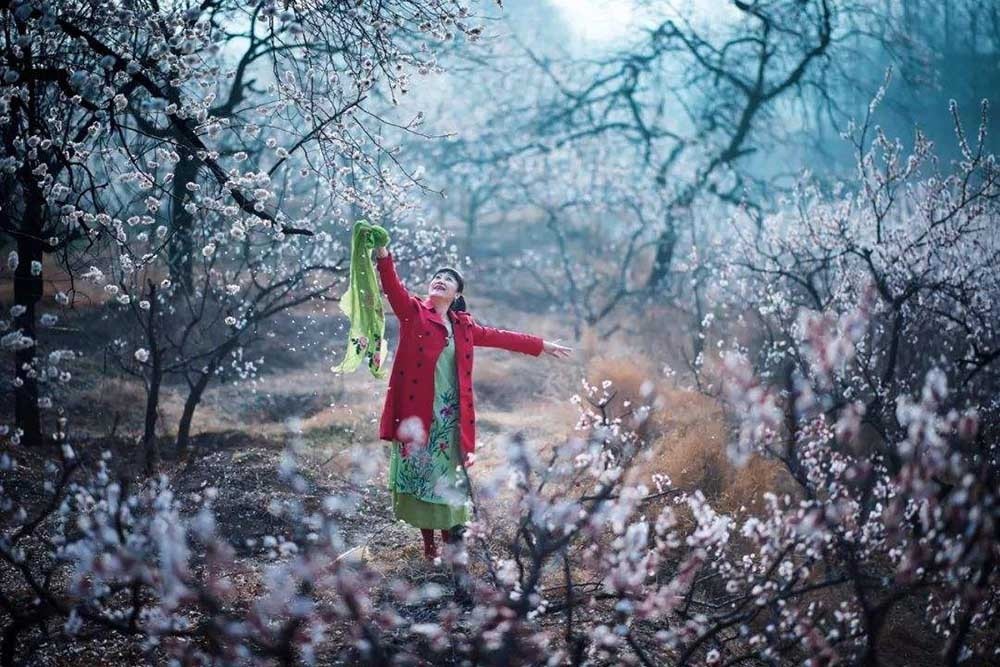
556	350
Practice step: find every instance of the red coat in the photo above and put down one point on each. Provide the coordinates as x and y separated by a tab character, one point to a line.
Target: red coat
422	337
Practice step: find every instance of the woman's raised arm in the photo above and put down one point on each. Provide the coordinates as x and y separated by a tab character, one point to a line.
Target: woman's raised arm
400	299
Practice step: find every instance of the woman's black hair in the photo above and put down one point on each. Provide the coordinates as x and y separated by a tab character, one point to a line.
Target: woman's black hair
459	303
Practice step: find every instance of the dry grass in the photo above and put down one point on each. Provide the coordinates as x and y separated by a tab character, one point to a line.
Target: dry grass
686	432
107	401
686	435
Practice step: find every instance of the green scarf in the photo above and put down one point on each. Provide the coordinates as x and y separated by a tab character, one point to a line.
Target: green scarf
362	303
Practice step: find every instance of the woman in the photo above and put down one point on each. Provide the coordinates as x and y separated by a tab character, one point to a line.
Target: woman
429	413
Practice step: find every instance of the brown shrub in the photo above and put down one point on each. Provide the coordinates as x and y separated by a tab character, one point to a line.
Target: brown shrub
686	435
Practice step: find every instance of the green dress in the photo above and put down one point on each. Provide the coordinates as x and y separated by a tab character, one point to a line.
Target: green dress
428	485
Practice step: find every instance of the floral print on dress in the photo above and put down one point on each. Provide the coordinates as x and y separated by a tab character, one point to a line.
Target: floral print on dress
431	471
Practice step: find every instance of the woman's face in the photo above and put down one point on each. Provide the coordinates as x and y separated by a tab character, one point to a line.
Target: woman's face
443	286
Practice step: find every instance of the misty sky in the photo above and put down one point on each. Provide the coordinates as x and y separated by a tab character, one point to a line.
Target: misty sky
593	22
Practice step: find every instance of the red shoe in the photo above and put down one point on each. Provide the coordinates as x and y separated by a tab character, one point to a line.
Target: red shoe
430	548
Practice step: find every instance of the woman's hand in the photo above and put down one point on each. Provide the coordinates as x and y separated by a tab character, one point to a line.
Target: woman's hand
556	350
382	251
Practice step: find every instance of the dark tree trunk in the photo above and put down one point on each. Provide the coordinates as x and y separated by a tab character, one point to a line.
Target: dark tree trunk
195	394
190	404
28	290
180	249
664	258
471	213
151	447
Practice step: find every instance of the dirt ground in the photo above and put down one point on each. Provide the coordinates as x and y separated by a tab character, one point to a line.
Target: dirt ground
240	431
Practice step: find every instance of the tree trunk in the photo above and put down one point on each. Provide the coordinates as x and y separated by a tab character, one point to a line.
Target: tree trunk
195	394
28	290
190	404
181	247
471	212
150	445
665	246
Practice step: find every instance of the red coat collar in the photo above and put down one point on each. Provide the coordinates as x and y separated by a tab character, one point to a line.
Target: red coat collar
454	315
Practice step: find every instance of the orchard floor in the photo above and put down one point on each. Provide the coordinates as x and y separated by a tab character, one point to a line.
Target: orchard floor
241	430
242	468
239	434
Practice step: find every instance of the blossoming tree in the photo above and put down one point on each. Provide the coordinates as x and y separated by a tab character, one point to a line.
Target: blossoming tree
140	140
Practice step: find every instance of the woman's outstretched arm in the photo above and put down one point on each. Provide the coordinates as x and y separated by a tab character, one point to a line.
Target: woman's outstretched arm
400	299
515	341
